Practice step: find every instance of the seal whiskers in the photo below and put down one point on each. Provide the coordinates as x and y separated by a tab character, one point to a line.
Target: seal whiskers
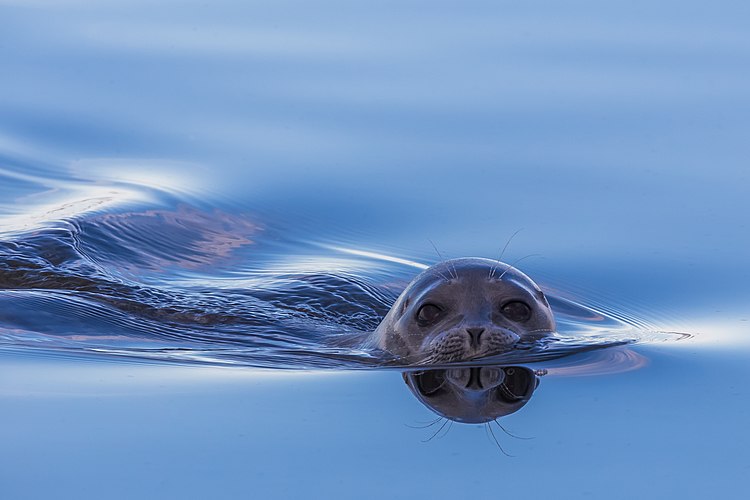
454	274
516	262
502	252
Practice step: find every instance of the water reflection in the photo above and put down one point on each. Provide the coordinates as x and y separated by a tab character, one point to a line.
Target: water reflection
474	394
481	392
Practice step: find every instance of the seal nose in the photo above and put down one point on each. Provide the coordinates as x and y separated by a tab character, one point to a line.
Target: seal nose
475	335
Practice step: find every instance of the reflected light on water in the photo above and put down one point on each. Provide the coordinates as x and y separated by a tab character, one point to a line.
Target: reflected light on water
84	200
86	379
110	183
378	256
169	176
717	333
606	362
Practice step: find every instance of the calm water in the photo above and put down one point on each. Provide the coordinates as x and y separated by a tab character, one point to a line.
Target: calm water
201	206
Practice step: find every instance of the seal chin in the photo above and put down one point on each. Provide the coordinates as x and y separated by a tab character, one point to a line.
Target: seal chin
458	344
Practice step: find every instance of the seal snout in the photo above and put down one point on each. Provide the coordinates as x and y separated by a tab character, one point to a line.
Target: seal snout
460	344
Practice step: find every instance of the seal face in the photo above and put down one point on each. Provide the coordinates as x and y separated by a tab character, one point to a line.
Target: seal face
464	309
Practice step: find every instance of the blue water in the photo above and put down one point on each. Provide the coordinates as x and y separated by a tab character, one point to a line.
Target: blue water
203	207
124	270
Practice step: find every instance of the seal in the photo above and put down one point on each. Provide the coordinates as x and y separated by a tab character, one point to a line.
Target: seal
464	309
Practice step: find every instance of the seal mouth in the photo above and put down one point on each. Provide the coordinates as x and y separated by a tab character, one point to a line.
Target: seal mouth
460	345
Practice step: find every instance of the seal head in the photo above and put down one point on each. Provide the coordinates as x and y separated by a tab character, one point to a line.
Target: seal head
464	309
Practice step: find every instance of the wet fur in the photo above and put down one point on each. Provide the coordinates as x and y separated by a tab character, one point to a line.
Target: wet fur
471	292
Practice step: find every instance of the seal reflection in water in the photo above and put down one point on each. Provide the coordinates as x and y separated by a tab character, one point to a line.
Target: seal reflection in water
473	394
464	309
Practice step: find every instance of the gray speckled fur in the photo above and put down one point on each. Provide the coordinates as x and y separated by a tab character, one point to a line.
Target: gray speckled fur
471	292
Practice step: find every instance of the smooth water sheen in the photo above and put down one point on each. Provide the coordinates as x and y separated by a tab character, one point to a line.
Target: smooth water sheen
168	281
206	208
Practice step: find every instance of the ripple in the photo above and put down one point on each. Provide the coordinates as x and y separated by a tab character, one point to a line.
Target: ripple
125	270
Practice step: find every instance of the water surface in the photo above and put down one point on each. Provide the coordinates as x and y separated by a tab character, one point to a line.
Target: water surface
122	269
199	204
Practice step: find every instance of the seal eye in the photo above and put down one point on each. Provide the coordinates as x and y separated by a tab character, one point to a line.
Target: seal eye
516	311
428	313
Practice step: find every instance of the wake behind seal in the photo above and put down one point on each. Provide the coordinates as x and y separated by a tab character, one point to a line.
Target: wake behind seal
464	309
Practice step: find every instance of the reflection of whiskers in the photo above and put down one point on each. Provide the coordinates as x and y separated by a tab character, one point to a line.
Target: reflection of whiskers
490	433
427	425
509	433
488	430
447	422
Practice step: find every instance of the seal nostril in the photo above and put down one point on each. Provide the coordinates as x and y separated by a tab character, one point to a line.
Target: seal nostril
476	335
